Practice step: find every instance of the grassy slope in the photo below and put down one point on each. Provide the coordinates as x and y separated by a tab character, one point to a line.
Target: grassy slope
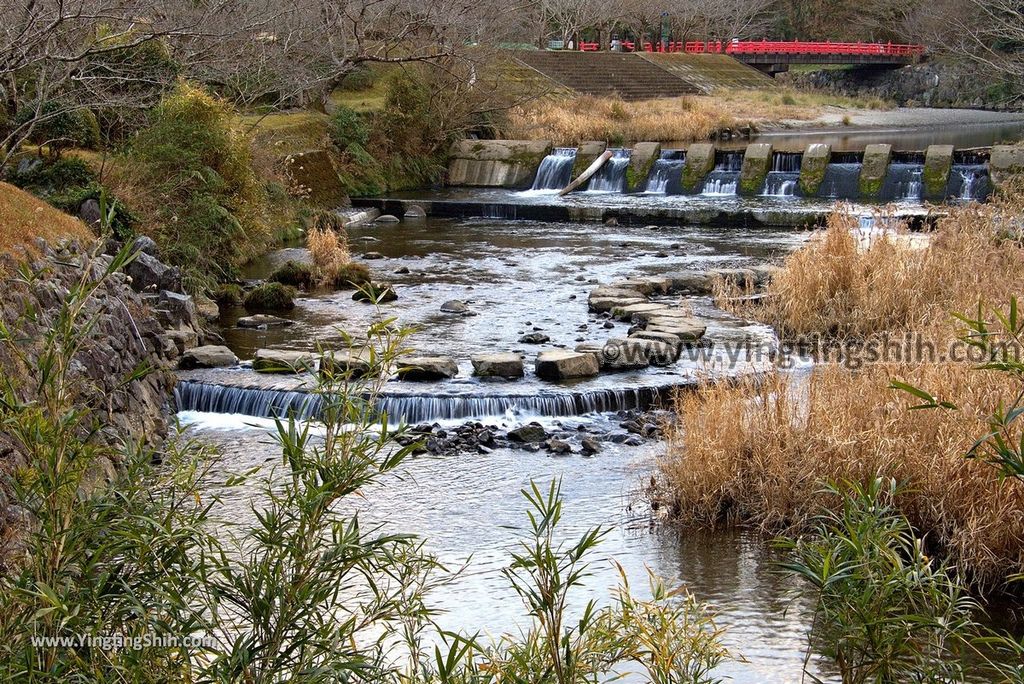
23	218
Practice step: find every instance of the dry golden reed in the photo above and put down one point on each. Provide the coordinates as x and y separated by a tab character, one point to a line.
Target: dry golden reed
758	454
329	251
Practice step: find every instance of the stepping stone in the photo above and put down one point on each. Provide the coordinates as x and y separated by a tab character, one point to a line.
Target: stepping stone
565	365
602	304
652	352
355	362
428	368
666	338
506	365
694	282
686	330
209	356
282	361
626	313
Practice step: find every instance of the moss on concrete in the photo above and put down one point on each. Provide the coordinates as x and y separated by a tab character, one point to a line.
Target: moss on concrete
812	168
938	162
700	160
640	162
757	162
586	153
1006	161
874	169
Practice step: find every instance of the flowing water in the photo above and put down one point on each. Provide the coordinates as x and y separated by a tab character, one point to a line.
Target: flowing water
520	277
611	177
785	174
555	171
724	178
666	172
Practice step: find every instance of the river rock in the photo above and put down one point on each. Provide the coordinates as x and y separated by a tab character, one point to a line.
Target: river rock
691	282
263	321
455	306
565	365
590	445
282	361
686	329
89	212
340	362
209	356
506	365
558	446
377	293
626	313
206	307
372	255
533	432
663	337
428	368
534	338
176	309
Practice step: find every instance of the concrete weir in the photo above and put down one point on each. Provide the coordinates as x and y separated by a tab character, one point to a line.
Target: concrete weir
760	172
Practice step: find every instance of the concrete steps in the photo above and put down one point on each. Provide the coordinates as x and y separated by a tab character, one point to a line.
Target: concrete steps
608	73
710	72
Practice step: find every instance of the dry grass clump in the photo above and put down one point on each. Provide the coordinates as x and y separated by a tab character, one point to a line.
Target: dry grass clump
759	454
572	120
23	218
332	261
846	283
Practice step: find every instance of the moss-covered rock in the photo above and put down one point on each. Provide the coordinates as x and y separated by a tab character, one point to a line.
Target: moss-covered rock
874	170
812	168
350	276
270	297
700	160
757	162
294	273
228	294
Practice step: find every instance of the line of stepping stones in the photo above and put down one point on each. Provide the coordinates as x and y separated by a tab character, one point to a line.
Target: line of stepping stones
659	334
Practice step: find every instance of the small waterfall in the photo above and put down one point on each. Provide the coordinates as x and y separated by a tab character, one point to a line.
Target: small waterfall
555	171
247	401
666	172
969	182
782	180
413	408
842	180
724	179
499	211
903	182
612	176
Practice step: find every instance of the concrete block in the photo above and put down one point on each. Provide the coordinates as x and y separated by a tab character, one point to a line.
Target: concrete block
1006	161
757	162
700	160
640	162
874	169
586	153
812	168
938	162
496	163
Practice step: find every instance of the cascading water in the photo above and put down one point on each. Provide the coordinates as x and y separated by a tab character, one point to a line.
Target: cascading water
969	182
842	177
666	171
414	408
724	179
903	182
555	171
612	176
782	180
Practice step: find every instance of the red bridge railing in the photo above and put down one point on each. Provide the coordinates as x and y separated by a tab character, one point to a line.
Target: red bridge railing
769	47
774	47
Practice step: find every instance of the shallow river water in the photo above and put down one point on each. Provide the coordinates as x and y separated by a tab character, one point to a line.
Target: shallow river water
518	277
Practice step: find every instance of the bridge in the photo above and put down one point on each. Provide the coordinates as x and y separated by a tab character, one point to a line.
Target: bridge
775	56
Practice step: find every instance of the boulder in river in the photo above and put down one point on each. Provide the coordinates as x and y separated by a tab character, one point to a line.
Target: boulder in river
372	255
565	365
455	306
282	361
533	432
505	365
352	362
263	321
626	313
428	368
209	356
558	446
534	338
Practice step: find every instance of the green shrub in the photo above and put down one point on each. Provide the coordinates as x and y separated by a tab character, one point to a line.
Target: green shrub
60	126
349	127
196	189
271	297
293	273
351	276
228	294
788	100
